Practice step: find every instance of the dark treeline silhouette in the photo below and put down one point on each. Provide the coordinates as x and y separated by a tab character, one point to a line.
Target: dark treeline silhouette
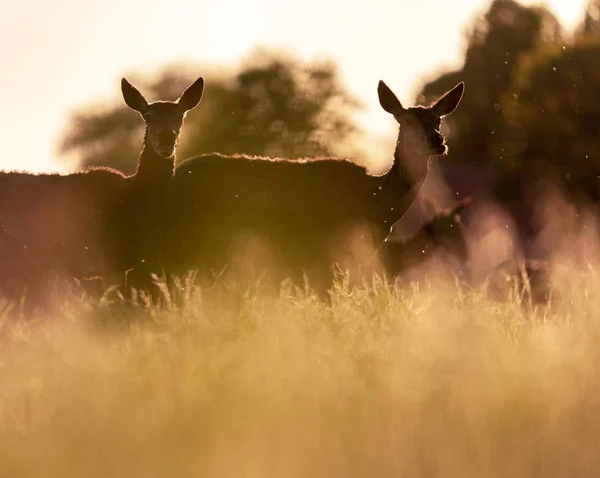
552	126
272	105
495	44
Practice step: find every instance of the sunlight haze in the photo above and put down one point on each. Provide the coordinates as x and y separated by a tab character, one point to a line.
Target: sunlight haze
63	54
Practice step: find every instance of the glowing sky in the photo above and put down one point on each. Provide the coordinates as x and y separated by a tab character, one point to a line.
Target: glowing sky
59	54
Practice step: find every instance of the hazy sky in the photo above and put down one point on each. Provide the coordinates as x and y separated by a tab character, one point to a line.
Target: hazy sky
59	54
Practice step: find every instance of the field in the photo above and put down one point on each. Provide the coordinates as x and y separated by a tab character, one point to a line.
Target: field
424	380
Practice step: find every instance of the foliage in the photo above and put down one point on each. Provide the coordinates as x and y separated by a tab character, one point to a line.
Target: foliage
499	37
552	114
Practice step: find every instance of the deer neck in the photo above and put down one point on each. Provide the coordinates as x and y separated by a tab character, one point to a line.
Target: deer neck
410	167
153	169
403	182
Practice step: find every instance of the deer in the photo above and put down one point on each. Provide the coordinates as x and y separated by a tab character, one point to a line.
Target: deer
103	222
441	237
20	278
304	210
444	237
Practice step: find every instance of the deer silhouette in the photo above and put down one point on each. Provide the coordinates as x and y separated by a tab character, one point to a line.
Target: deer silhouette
104	222
441	237
304	210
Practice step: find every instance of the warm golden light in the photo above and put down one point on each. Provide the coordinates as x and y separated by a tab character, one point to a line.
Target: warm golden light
70	52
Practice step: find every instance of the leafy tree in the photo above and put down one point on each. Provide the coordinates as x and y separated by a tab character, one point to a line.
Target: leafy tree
478	157
273	106
553	117
499	37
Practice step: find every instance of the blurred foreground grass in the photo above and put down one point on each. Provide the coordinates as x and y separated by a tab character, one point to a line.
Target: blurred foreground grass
421	381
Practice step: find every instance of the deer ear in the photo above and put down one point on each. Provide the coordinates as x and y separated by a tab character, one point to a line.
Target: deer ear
448	103
192	96
388	100
133	98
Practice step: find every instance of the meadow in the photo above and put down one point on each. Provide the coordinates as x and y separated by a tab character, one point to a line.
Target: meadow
425	379
427	376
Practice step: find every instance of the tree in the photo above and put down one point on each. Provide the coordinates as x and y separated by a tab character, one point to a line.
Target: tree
273	106
553	117
478	129
499	37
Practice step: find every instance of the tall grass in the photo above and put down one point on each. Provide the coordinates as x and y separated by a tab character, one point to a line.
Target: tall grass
419	381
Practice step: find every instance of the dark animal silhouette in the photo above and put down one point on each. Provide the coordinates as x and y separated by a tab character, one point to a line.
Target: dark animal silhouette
20	275
103	221
31	287
529	280
310	212
441	238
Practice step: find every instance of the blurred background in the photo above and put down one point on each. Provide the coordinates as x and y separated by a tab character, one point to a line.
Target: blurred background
299	79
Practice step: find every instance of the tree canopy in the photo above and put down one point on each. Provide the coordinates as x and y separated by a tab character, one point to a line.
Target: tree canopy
496	42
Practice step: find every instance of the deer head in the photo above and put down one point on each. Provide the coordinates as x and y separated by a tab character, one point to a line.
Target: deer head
163	118
420	126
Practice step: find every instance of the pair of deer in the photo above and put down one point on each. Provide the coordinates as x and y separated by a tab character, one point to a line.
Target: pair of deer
190	217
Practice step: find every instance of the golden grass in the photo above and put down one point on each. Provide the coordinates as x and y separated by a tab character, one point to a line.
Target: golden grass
423	381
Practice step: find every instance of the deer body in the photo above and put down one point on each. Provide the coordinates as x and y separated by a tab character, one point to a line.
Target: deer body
45	209
311	213
303	208
103	221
